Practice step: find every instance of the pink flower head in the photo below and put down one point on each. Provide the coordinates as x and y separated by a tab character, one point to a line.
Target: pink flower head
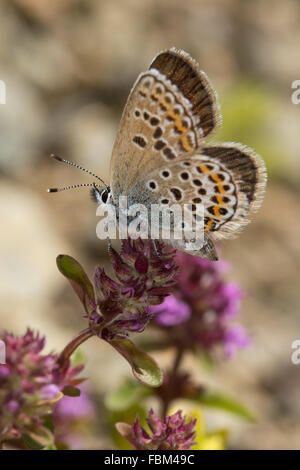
144	274
235	337
72	418
171	312
172	433
198	312
29	383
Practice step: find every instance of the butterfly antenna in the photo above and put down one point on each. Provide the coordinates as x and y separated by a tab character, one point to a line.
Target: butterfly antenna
74	186
59	159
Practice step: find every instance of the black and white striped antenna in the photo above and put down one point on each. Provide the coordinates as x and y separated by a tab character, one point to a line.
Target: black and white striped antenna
74	186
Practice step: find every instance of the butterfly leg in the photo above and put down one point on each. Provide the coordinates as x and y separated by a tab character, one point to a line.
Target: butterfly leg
208	250
156	248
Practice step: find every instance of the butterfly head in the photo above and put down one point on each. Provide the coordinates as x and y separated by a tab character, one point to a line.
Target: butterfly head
101	196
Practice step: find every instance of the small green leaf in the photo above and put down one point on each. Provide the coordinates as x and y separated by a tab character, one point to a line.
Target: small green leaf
31	443
48	422
70	391
144	368
78	279
78	358
225	403
39	438
126	395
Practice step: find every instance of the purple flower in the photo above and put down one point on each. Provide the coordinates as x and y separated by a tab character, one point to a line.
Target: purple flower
144	275
69	408
235	337
172	433
198	312
171	312
30	382
49	392
73	418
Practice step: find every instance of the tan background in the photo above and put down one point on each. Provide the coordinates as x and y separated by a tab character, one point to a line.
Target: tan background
68	67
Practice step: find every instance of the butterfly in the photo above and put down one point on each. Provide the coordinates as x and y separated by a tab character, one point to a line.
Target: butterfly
160	155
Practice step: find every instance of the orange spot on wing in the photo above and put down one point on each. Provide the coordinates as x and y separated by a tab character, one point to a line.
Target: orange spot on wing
173	115
216	210
221	188
180	126
209	224
156	97
204	168
186	144
216	177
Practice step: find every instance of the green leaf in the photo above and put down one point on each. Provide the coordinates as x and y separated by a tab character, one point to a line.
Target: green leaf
39	438
78	279
70	391
78	358
126	395
31	443
144	368
225	403
48	422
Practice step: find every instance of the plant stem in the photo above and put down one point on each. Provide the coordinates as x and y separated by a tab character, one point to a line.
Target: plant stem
68	350
177	361
168	397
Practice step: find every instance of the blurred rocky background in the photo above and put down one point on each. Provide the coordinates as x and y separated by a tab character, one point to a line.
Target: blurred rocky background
68	66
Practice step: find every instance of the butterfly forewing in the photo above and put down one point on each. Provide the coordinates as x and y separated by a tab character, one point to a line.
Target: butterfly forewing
161	121
184	72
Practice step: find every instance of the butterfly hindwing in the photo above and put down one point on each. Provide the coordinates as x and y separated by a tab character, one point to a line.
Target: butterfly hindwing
227	179
249	177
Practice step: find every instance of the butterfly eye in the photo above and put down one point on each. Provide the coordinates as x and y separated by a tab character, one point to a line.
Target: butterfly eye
104	196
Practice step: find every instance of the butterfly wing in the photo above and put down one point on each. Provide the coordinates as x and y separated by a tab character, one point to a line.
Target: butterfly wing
170	109
228	180
160	155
